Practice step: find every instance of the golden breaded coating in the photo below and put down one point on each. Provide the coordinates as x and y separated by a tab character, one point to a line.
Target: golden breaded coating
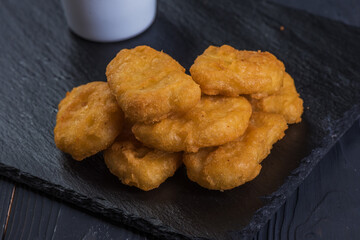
230	72
213	121
88	121
150	85
237	162
286	101
139	166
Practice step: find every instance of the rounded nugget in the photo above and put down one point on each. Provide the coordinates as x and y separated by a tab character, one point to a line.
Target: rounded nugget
237	162
139	166
213	121
286	101
150	85
88	120
230	72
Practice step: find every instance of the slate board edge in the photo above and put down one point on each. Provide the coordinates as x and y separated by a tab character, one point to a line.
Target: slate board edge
85	203
157	229
297	176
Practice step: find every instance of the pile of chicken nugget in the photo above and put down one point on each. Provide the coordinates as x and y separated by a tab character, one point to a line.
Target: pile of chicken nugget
150	117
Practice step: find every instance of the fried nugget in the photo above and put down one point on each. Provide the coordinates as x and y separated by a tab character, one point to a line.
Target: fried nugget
150	85
139	166
213	121
237	162
230	72
88	121
286	101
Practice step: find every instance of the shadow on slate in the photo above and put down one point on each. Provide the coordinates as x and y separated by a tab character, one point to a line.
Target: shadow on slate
326	205
41	60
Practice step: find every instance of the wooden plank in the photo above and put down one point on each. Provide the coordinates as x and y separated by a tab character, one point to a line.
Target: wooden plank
35	216
6	192
322	205
327	203
35	123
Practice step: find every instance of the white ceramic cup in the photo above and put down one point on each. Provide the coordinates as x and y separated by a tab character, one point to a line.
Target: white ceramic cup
109	20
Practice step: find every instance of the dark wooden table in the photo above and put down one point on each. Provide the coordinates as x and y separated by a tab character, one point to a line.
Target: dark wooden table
325	206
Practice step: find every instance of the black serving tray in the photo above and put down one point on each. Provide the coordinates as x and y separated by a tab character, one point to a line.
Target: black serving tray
40	59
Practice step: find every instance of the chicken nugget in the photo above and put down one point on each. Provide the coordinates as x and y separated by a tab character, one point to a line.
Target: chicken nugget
213	121
139	166
150	85
230	72
237	162
286	101
88	120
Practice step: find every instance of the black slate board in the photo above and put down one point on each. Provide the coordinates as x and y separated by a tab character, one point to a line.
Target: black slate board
40	60
326	205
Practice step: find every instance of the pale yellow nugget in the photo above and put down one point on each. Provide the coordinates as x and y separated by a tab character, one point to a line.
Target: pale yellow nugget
150	85
235	163
286	101
213	121
139	166
230	72
88	121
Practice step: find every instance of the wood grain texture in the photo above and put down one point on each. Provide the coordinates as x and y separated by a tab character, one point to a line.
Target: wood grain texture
41	60
327	204
35	216
6	189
